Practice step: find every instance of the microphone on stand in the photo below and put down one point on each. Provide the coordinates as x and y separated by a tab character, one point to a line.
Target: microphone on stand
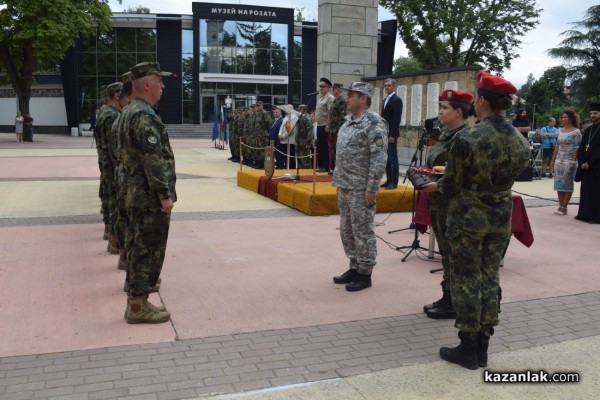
312	94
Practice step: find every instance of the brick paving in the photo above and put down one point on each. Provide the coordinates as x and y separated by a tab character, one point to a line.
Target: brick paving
241	362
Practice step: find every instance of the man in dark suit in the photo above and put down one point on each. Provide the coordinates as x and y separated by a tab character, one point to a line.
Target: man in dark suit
274	137
392	113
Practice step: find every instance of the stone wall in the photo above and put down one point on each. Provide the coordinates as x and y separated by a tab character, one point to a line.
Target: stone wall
347	40
419	93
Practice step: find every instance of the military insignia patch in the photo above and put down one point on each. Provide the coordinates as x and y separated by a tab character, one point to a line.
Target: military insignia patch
379	142
152	141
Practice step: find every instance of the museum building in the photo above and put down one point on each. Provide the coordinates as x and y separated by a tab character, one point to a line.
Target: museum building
221	55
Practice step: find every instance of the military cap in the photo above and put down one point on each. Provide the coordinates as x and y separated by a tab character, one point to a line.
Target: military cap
595	107
113	88
145	69
325	81
259	103
363	88
103	92
302	107
493	83
337	86
456	96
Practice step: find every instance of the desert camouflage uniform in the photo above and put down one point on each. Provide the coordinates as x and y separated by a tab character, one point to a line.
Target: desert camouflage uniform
336	120
438	154
149	167
360	164
482	168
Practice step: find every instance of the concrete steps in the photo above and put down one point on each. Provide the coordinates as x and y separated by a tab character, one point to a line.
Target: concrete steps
203	131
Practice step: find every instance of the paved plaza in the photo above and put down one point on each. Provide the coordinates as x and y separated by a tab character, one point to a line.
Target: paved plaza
255	314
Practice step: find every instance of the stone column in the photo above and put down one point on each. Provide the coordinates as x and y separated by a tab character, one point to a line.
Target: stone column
347	40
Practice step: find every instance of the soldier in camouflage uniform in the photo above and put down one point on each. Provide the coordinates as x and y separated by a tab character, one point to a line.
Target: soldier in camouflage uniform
305	138
250	153
234	136
103	131
360	164
483	165
337	117
454	109
101	189
149	167
120	220
262	126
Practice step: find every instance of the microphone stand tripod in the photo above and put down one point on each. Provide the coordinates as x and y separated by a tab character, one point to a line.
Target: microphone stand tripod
416	244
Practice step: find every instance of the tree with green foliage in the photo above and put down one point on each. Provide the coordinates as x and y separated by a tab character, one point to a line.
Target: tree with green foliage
404	65
547	93
137	10
580	52
39	32
450	33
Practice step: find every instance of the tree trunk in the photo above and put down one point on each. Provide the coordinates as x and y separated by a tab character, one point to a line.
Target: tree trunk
21	74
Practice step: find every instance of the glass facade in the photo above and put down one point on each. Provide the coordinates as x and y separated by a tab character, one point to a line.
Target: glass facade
104	58
187	74
235	47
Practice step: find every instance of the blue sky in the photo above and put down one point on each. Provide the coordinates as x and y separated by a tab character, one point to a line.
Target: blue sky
554	19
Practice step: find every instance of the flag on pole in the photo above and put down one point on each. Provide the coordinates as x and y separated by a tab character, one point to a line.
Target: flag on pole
216	127
225	131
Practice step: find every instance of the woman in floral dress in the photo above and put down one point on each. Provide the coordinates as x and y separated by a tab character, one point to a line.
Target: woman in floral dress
564	160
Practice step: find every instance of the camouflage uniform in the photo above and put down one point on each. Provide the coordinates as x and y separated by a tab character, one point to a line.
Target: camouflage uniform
305	141
101	161
149	165
262	126
482	168
360	164
104	134
438	154
250	138
336	120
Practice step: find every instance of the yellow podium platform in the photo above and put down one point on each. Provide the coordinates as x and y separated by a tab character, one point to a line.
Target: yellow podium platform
323	201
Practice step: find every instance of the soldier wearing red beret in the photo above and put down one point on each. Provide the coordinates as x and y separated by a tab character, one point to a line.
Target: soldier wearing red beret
483	165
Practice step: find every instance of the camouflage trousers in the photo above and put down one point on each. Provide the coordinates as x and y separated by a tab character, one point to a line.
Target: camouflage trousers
120	219
474	282
356	230
234	144
334	136
106	182
303	151
438	223
147	247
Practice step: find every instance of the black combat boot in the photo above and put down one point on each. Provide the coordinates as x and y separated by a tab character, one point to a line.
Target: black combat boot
445	298
444	310
465	354
359	282
346	277
483	342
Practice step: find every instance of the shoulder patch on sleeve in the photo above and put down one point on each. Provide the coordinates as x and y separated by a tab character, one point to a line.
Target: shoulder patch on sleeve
379	142
151	140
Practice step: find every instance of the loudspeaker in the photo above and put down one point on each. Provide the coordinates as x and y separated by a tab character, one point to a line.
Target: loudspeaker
526	175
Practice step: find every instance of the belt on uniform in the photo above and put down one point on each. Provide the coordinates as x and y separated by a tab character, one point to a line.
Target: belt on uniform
483	188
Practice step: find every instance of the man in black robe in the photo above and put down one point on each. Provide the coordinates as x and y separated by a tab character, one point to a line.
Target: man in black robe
589	165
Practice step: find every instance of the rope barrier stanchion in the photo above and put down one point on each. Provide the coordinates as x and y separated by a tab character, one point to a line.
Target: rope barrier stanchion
241	152
314	169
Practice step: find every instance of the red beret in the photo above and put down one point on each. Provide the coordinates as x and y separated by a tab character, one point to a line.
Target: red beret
456	96
493	83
